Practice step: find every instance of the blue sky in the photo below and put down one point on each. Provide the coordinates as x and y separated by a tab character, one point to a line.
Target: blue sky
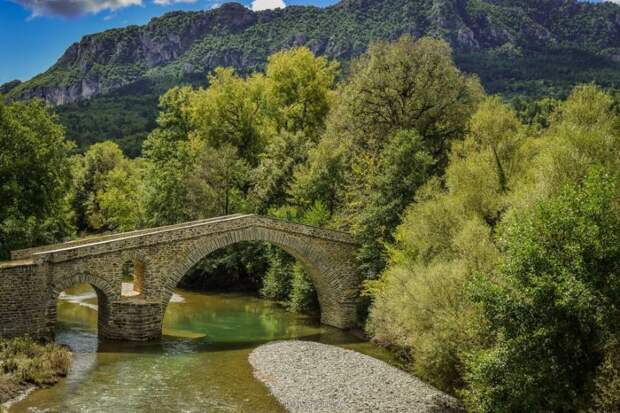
35	33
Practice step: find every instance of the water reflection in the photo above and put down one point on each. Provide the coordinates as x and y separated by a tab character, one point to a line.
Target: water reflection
200	364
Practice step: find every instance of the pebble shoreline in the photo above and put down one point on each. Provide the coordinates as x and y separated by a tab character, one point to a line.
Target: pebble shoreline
312	377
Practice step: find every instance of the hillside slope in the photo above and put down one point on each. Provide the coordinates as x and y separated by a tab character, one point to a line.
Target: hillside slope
517	47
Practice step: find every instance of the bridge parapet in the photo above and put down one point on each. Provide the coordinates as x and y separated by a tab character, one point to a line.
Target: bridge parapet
162	235
29	252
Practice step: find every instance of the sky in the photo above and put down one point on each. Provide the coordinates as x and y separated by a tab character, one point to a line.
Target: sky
35	33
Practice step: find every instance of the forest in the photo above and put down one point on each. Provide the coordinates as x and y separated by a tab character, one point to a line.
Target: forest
518	48
488	231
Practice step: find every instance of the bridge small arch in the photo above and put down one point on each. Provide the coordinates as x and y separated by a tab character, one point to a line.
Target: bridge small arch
134	268
104	290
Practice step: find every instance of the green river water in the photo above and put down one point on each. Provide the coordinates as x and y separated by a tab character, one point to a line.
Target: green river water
201	364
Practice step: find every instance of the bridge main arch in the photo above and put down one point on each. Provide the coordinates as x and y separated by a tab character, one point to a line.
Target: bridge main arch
330	268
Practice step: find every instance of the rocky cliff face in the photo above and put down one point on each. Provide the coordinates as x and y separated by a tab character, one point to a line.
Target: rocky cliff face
180	44
81	73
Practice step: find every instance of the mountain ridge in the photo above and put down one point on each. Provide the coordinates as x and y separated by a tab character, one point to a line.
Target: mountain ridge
182	45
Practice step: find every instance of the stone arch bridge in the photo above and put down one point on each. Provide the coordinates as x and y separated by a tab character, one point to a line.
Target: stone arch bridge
158	258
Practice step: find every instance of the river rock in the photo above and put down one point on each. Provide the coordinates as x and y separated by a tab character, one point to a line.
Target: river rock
312	377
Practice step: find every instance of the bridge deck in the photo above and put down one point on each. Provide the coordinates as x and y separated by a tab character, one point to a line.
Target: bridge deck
93	239
16	263
184	229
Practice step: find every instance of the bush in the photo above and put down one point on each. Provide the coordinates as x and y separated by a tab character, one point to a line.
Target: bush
302	297
26	362
277	280
553	306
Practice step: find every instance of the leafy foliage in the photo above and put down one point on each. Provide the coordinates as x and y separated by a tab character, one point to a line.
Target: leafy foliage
553	303
502	280
389	131
34	177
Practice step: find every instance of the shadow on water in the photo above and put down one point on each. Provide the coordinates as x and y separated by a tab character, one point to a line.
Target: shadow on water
201	363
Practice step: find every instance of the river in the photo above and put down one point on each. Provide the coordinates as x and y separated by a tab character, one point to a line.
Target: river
200	365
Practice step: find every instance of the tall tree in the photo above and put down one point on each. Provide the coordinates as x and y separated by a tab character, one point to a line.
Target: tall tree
300	89
215	185
121	200
232	111
169	157
35	173
91	173
446	237
409	90
300	95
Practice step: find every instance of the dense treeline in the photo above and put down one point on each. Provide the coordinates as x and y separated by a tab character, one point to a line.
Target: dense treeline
503	283
525	48
488	232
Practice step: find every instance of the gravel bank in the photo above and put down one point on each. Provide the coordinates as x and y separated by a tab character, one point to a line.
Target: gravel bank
308	377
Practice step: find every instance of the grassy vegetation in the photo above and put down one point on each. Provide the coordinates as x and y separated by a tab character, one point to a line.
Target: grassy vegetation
25	362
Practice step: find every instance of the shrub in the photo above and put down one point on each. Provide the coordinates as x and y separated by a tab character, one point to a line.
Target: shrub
302	297
553	306
27	362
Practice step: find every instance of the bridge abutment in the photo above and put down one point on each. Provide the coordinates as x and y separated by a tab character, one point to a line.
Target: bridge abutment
22	300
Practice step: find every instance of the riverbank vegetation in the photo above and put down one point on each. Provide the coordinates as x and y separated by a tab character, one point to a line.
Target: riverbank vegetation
488	231
25	363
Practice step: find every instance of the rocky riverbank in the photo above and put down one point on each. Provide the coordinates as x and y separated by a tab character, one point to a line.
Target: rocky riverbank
26	364
313	377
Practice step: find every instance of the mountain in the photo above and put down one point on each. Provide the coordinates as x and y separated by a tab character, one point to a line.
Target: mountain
517	47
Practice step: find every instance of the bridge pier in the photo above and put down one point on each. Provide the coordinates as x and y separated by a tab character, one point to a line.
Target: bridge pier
132	319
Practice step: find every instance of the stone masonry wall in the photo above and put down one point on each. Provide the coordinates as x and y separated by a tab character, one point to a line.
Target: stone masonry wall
22	301
164	255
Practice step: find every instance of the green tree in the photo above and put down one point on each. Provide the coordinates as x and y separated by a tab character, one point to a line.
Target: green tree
170	158
405	90
272	177
215	186
403	166
300	96
584	130
419	302
121	199
93	168
554	303
300	89
35	177
232	111
321	177
408	84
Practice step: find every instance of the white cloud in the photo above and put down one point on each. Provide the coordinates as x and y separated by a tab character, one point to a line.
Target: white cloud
73	8
169	2
267	4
